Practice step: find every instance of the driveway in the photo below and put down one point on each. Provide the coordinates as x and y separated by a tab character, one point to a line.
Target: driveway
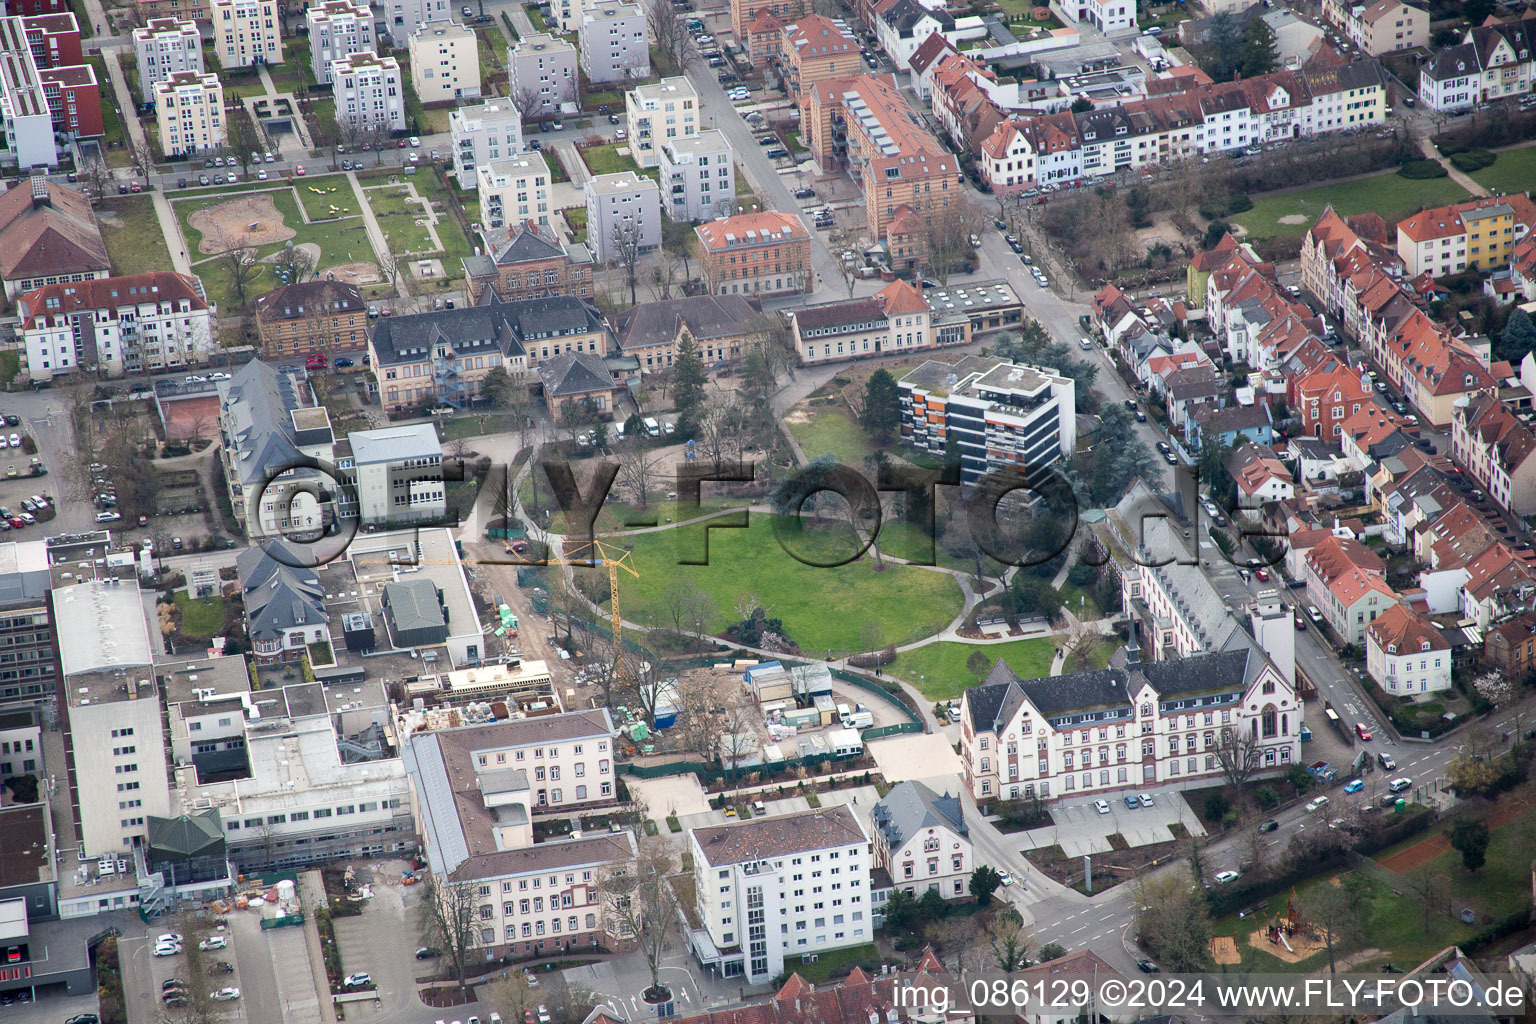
925	756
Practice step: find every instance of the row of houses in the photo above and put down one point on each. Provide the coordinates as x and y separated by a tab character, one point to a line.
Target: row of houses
1494	61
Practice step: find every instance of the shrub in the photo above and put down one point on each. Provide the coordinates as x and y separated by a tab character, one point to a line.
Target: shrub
1239	203
1473	160
1418	170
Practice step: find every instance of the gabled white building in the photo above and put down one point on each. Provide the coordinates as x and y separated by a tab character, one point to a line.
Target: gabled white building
116	325
772	888
1406	654
922	841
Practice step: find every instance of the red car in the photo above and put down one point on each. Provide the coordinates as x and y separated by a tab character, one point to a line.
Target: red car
16	522
1362	731
299	170
316	361
1262	574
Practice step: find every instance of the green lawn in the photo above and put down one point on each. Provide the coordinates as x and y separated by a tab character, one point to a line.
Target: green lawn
822	608
1513	171
608	160
576	217
939	668
397	214
828	430
133	236
1390	195
10	365
200	617
327	197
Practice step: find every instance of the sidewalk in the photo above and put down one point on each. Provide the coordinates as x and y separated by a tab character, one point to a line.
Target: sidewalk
1464	180
376	237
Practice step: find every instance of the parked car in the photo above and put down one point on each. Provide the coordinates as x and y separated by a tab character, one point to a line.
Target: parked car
777	154
213	942
225	995
1102	806
1362	732
362	980
1147	967
1146	799
1398	785
1269	826
428	953
221	967
1223	877
1354	786
1130	802
1316	803
342	363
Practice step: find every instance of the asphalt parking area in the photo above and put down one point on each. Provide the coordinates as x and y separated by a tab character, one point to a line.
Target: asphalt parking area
1081	829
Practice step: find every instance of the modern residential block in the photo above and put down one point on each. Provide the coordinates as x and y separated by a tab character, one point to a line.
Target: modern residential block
402	17
46	89
489	131
613	41
698	177
545	66
396	473
116	325
657	113
246	32
623	214
189	108
1479	234
513	191
165	46
445	62
755	882
337	29
369	97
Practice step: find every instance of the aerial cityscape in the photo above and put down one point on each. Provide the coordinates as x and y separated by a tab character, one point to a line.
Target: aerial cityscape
767	511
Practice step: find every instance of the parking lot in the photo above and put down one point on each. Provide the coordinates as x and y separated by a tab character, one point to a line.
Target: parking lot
381	942
1080	828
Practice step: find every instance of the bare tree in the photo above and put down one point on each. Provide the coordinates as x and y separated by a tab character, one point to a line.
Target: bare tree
625	237
240	262
1424	885
527	101
699	718
946	234
1173	921
1009	939
637	461
294	264
1238	755
143	161
640	900
449	914
512	996
1336	911
390	265
96	177
670	38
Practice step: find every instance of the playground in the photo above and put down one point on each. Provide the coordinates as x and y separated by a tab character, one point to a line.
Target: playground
1289	936
248	220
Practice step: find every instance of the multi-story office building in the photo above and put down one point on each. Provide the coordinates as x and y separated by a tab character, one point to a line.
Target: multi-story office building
337	29
544	66
445	62
246	32
189	108
1002	415
771	888
657	113
311	316
477	789
30	675
116	325
165	46
623	212
113	737
698	177
613	41
396	474
756	254
514	191
489	131
369	96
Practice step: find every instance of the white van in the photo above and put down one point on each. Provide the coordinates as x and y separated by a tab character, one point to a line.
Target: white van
843	714
652	427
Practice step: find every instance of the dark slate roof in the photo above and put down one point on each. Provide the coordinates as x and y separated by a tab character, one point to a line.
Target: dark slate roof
278	596
706	316
552	316
293	301
259	402
911	807
187	835
1452	62
1203	674
574	373
414	604
839	314
526	245
489	325
905	14
1362	74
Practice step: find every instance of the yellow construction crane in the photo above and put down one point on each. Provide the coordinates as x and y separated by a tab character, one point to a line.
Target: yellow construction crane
598	556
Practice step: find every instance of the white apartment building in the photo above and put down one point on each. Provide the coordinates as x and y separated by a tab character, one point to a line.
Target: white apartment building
513	191
445	62
247	32
114	741
337	29
476	789
771	888
622	207
613	41
490	131
396	473
1105	15
368	93
922	841
1407	655
116	325
668	109
189	108
698	177
403	17
163	47
544	66
1150	723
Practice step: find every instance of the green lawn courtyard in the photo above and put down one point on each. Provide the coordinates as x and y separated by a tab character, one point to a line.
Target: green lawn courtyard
200	616
822	608
1389	194
132	232
397	213
828	430
1513	171
328	197
938	669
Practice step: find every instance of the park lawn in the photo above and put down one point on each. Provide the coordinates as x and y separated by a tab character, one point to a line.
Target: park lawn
135	243
904	602
901	539
327	197
829	430
200	616
1513	171
1389	194
938	669
397	214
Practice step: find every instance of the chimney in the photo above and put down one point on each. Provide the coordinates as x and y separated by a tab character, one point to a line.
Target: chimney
40	195
1132	649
